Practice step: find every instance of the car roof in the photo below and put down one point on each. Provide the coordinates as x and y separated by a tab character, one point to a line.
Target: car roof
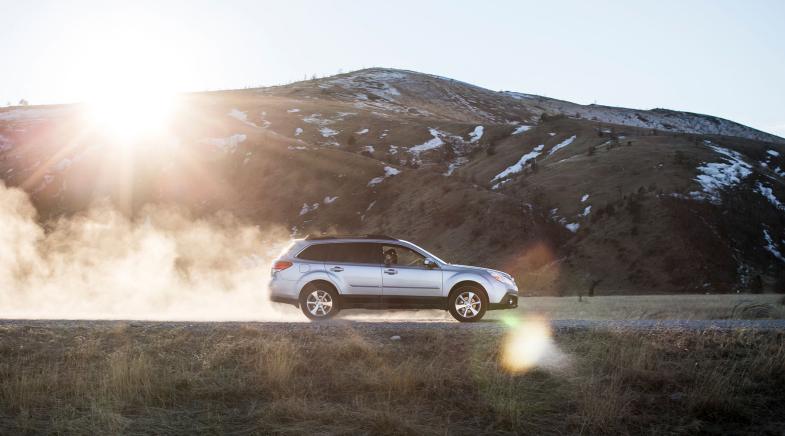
350	237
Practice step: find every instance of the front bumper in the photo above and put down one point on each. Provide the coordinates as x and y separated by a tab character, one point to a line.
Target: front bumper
510	301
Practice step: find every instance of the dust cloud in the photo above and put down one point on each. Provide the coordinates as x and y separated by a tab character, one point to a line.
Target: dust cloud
164	265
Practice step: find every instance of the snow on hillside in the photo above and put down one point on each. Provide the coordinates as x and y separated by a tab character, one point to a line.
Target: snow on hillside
516	167
388	172
476	134
520	129
717	176
771	246
659	119
228	144
768	193
241	116
435	142
562	144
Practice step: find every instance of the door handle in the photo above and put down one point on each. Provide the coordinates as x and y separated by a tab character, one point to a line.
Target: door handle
391	271
336	269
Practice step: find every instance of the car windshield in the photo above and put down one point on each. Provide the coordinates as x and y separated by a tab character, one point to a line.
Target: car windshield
426	252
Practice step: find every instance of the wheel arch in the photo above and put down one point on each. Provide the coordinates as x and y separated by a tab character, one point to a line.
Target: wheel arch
318	280
468	283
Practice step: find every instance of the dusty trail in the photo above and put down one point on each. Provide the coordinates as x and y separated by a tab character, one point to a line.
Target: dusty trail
395	325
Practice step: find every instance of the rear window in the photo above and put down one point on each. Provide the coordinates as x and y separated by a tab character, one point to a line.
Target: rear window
316	252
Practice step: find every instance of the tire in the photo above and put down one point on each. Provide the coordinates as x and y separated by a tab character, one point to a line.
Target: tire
319	301
460	310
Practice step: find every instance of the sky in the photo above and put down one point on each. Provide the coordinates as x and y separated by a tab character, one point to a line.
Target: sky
724	58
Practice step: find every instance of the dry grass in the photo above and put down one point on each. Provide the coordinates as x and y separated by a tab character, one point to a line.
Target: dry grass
718	306
258	379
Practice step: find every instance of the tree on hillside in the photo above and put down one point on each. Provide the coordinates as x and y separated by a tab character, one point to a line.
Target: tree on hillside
23	102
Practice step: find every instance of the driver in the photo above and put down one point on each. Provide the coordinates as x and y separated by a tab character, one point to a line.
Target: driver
390	256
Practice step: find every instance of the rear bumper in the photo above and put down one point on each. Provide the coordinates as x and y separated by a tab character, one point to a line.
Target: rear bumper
285	300
510	301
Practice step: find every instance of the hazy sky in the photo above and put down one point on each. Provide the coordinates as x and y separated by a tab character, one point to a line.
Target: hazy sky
725	58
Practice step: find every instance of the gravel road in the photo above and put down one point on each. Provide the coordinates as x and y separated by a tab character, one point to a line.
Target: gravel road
404	324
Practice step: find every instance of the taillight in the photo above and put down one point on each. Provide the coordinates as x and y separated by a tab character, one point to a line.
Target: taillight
281	265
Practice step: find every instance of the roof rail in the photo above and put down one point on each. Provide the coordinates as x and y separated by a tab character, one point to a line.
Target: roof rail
325	237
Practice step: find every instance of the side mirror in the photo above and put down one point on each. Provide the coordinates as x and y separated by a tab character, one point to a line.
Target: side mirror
430	264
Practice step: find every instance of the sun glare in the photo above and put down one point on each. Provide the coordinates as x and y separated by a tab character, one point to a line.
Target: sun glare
131	117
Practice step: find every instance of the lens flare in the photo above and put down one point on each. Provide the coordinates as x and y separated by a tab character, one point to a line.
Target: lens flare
529	344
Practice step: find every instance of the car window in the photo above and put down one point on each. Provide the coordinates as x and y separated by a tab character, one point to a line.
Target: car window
316	252
402	256
355	252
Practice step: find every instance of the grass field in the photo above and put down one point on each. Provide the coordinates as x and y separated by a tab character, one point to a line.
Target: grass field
346	378
620	307
715	306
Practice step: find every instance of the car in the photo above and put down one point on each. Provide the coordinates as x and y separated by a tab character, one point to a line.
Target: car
324	275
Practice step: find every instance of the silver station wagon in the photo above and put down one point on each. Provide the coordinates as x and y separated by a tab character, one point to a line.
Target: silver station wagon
323	275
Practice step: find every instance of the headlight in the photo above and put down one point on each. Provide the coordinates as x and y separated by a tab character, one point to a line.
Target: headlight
502	279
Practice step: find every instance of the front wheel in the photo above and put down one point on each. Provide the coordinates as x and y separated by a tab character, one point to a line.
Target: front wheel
468	304
319	301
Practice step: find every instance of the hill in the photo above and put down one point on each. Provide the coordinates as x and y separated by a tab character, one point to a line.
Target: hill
564	196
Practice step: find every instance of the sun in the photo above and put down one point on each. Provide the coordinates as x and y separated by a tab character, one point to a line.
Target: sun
132	116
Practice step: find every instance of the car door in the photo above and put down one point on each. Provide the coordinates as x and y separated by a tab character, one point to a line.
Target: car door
406	280
357	268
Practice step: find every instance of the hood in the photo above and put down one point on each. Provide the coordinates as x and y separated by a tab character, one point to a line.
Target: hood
477	269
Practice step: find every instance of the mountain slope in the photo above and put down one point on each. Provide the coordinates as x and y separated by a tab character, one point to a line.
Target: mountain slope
564	196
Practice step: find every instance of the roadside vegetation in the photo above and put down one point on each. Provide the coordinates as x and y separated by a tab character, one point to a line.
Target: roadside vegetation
82	377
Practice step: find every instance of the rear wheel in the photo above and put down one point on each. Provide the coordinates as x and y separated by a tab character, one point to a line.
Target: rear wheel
319	301
468	303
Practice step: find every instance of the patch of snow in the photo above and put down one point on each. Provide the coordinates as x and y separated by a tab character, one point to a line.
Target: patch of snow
294	110
520	129
716	176
329	200
552	133
306	208
455	164
768	193
518	166
388	172
573	227
298	131
584	198
369	148
476	134
241	116
562	144
586	211
298	147
227	145
317	120
432	143
773	153
327	132
362	132
771	247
